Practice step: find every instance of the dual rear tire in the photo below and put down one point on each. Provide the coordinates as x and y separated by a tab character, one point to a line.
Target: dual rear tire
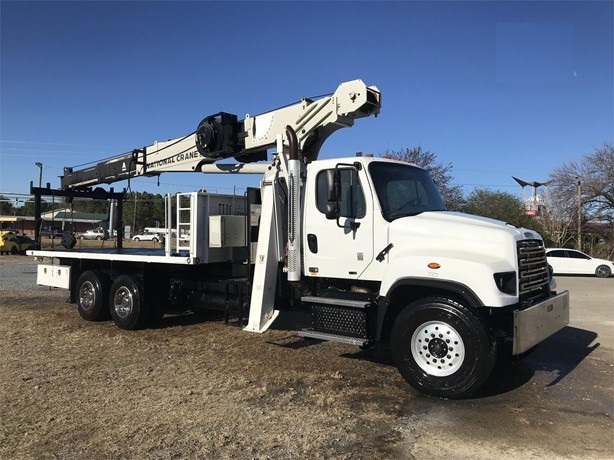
92	295
126	302
99	299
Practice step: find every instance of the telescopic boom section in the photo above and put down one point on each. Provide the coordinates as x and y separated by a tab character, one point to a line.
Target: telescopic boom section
223	136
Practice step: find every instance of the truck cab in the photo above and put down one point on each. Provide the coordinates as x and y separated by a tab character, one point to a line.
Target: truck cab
387	222
443	289
350	209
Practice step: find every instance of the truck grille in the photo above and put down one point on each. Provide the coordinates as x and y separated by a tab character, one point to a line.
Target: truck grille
533	277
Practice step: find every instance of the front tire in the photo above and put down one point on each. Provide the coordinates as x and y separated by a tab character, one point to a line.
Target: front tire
127	304
603	271
441	348
93	295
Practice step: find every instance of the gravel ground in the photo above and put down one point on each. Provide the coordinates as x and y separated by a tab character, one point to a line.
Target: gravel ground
197	388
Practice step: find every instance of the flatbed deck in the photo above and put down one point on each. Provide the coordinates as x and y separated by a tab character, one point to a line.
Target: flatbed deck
150	255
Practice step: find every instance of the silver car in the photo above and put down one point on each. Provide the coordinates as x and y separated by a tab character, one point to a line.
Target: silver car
95	234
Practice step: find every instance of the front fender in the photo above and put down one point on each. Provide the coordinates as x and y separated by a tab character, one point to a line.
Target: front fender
419	287
473	271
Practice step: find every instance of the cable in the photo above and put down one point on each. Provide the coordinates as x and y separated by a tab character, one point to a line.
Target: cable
121	155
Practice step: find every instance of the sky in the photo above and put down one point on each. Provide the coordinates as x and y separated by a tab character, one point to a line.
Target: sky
495	89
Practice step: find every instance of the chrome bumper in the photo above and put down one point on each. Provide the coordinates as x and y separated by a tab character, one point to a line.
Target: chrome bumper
537	323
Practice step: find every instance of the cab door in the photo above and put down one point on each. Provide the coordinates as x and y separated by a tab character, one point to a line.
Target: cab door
338	222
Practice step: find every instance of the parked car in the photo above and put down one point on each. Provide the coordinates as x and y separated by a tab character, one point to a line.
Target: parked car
51	232
95	234
8	242
572	262
147	236
13	243
25	243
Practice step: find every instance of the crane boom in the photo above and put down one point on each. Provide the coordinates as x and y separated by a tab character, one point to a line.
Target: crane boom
222	136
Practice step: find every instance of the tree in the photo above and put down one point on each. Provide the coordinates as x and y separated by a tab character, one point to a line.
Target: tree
558	231
499	205
593	178
142	209
6	206
442	174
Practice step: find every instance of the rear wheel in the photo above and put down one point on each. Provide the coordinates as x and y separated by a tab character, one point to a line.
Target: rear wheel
93	295
442	348
603	271
136	238
126	302
14	250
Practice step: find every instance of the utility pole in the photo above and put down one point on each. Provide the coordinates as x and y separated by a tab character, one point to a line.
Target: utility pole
579	243
133	230
40	173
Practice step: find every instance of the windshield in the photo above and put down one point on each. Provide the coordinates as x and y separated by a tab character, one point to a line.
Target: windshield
404	190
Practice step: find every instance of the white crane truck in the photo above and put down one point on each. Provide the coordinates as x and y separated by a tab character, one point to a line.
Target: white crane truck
364	244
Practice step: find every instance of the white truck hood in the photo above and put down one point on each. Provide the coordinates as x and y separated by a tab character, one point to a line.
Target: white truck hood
456	247
458	226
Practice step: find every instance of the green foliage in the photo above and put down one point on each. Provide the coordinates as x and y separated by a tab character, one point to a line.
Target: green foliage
28	207
142	209
6	206
501	206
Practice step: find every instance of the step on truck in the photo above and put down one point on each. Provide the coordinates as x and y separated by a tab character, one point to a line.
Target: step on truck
364	245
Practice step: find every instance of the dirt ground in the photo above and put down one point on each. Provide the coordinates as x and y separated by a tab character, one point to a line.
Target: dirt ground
198	388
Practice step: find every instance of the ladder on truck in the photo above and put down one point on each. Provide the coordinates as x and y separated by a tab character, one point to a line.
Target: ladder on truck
179	238
184	231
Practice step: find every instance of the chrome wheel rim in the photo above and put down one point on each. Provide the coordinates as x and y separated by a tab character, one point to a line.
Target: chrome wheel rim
87	295
123	302
438	348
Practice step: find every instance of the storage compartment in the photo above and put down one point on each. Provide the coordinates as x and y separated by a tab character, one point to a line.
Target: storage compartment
227	231
53	275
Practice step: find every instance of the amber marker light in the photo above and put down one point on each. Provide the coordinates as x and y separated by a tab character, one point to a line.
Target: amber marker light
434	265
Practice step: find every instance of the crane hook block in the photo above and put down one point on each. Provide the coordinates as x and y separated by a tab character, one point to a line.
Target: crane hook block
217	136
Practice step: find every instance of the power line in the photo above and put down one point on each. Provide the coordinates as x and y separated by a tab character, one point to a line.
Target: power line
54	143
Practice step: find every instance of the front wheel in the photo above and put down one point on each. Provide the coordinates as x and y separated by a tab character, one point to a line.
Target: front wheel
603	271
442	348
127	302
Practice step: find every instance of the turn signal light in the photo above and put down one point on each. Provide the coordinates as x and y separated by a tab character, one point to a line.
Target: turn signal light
434	265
